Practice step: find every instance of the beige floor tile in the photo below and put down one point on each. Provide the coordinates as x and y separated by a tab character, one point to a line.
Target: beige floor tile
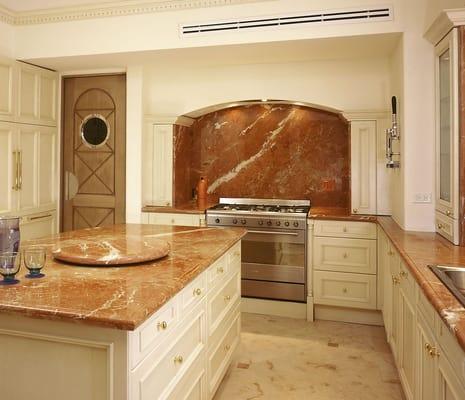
283	358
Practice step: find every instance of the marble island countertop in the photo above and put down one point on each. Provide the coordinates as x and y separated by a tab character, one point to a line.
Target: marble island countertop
116	297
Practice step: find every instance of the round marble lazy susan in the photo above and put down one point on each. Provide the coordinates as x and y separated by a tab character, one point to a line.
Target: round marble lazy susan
111	251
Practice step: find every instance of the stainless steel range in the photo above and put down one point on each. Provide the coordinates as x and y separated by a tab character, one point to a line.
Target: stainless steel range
274	251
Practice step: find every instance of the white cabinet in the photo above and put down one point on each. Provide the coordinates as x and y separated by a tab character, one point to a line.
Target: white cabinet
37	95
28	173
447	138
157	178
38	225
8	89
363	167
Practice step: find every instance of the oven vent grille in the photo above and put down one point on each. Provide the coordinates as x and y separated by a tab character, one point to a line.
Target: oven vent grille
352	15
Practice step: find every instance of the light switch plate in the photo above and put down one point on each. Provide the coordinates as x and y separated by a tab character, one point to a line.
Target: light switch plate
423	198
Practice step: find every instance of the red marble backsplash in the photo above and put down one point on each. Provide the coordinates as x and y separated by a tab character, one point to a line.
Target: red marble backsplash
266	151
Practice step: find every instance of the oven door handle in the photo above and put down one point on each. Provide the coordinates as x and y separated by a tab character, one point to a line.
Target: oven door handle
274	233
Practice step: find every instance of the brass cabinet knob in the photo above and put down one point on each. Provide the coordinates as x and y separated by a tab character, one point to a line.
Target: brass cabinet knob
345	255
427	347
197	292
344	229
162	325
354	211
403	274
344	290
178	359
448	213
220	270
227	298
395	280
440	226
227	347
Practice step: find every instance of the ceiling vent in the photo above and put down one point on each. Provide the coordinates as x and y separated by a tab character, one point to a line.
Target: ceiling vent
311	18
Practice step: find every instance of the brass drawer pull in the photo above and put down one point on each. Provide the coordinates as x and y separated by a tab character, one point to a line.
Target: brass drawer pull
440	226
345	255
355	211
197	292
403	274
220	270
162	325
344	290
227	298
227	347
344	229
178	359
395	280
448	213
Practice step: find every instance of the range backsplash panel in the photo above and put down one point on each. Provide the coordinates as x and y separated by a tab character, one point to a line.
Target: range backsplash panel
266	151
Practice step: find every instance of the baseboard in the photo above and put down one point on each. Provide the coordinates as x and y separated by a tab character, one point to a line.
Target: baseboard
342	314
274	307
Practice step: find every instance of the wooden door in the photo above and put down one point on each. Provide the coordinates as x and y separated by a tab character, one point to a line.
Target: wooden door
94	170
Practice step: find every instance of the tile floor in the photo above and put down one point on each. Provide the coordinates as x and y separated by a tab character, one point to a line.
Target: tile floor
289	359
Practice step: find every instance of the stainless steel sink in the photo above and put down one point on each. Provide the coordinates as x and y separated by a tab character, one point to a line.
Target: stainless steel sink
453	278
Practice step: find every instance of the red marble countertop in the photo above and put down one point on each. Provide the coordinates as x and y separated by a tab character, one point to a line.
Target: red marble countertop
116	297
338	214
420	249
188	208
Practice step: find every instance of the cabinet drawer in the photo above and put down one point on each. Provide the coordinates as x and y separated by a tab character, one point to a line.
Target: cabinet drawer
192	294
161	370
447	227
218	272
152	332
344	255
234	257
221	301
344	289
219	356
174	219
193	385
349	229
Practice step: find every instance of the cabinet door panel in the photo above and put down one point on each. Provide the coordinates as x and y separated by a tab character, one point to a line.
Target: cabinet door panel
425	363
7	168
394	269
406	359
363	160
28	137
449	387
28	94
47	97
7	89
47	167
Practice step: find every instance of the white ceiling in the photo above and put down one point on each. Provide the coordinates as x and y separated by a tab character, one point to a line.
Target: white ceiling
342	48
30	5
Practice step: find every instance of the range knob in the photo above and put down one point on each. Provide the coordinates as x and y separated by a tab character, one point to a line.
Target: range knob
269	223
234	221
260	222
217	220
278	223
286	223
243	221
296	224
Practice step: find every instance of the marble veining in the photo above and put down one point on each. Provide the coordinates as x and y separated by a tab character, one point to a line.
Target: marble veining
116	297
266	151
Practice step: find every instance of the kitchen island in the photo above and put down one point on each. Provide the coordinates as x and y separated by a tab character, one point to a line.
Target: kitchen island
164	329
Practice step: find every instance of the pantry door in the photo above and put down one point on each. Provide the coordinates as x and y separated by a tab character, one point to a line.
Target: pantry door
94	151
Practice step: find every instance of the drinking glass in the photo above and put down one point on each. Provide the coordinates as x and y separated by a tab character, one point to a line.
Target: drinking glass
10	263
34	259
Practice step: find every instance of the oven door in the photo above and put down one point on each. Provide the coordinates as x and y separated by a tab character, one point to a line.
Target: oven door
271	255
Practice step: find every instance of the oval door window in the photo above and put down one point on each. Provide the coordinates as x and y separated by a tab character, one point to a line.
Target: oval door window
95	130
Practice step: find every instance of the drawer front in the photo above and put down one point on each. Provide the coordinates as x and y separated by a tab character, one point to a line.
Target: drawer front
344	255
148	336
218	272
234	257
407	282
174	219
192	294
447	227
349	229
220	355
193	386
426	309
345	290
221	301
157	375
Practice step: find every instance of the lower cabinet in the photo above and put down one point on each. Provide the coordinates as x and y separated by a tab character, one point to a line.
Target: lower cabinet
38	225
430	362
185	349
181	219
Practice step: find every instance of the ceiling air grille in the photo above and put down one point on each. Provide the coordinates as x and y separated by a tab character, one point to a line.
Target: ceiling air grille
361	15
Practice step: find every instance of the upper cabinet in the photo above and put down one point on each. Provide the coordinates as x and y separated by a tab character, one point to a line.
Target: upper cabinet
447	137
29	94
37	95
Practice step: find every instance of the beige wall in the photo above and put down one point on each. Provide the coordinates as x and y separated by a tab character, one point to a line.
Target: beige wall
6	40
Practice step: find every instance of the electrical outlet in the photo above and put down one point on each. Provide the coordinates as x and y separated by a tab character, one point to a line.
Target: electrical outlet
423	197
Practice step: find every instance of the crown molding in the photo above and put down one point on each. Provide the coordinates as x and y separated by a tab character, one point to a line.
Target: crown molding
444	23
365	115
115	9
